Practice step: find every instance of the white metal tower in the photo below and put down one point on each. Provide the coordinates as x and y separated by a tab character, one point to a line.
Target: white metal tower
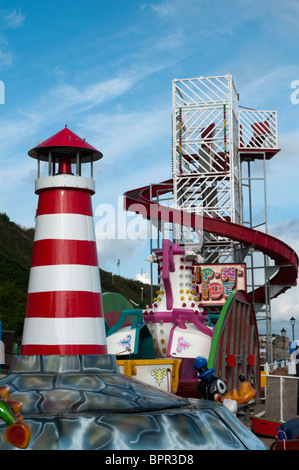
214	144
206	167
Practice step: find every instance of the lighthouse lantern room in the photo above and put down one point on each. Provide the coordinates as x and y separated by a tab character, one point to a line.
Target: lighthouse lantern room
65	148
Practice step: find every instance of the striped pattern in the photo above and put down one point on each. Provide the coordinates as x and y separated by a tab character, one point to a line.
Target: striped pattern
64	313
64	226
235	337
64	277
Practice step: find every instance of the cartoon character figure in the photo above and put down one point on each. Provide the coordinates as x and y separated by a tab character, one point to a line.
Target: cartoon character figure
244	394
209	386
17	433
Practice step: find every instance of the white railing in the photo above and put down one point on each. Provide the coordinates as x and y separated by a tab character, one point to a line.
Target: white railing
258	129
269	367
282	389
207	90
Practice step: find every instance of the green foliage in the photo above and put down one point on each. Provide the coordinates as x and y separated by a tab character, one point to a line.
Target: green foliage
12	307
15	257
4	216
129	288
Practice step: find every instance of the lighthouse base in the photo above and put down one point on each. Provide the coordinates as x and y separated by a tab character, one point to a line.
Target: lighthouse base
84	403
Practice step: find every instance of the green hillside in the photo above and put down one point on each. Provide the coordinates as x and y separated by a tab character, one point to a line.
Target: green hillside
15	258
129	288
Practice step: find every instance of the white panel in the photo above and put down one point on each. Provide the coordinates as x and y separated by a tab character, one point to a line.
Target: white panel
122	342
68	277
64	227
157	375
190	342
54	331
65	181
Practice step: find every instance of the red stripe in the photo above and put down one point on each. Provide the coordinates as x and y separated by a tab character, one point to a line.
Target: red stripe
48	252
64	304
64	201
63	349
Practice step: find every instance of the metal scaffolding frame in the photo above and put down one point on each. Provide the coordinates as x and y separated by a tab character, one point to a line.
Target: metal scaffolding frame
258	268
213	141
205	147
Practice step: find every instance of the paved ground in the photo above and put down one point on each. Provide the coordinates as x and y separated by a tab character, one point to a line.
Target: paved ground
267	440
257	410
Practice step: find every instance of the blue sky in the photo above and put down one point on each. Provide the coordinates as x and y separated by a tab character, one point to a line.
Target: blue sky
105	69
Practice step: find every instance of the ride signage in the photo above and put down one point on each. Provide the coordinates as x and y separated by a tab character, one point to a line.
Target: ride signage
215	282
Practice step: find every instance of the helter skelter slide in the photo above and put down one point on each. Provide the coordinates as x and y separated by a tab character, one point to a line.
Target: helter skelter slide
78	398
204	307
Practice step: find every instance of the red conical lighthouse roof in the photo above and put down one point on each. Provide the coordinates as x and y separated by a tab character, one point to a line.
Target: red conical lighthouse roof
64	143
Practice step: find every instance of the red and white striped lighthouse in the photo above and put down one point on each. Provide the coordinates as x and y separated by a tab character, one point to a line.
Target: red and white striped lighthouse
64	313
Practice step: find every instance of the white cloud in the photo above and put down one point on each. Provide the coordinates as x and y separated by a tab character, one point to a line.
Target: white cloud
165	9
287	231
120	134
282	309
6	57
112	250
12	20
16	129
266	84
64	101
286	305
69	97
144	278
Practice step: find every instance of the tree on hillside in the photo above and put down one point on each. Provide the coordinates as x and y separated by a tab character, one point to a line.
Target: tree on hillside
12	307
